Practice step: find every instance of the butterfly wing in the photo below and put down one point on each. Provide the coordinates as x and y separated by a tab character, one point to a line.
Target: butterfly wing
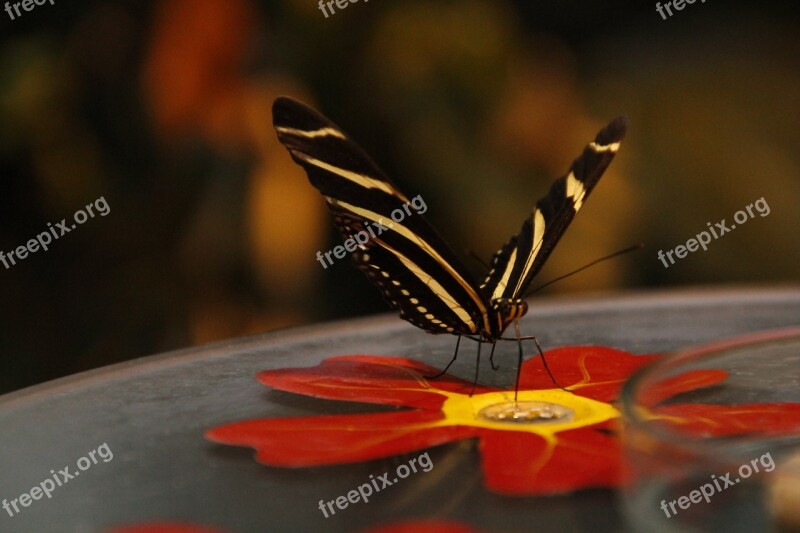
516	264
413	267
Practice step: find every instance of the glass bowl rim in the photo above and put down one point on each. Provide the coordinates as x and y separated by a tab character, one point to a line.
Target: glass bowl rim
681	356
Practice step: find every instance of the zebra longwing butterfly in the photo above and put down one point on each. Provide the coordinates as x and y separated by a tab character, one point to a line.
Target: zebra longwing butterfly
416	271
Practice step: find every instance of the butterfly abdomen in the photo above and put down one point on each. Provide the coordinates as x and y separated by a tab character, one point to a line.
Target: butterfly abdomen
505	311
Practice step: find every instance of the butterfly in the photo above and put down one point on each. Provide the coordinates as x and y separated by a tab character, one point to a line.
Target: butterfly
415	270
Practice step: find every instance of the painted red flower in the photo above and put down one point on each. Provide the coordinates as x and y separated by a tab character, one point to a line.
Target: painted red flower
572	443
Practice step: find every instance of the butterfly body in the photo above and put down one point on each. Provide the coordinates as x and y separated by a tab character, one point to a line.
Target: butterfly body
504	311
414	268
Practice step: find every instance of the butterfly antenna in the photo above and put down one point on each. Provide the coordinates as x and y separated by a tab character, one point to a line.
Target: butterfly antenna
477	258
453	360
584	267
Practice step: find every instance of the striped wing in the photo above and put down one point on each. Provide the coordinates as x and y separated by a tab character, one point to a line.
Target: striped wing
516	264
415	270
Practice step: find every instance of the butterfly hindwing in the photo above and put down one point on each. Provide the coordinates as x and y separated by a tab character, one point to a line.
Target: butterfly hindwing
418	286
414	268
515	265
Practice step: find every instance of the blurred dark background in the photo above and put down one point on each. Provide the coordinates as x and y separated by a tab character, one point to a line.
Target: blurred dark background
163	110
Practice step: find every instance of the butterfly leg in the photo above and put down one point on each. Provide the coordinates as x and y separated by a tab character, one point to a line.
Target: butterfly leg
519	359
544	361
477	369
491	357
453	360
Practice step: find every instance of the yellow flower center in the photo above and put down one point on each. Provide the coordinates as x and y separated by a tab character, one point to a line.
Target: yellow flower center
544	412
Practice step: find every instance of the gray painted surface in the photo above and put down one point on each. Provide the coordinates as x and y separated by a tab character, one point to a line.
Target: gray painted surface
152	413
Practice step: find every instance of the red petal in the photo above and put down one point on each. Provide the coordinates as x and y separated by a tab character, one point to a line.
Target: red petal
704	420
370	379
595	372
325	440
520	464
688	381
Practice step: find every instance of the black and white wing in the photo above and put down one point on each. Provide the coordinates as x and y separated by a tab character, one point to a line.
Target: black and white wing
515	265
413	267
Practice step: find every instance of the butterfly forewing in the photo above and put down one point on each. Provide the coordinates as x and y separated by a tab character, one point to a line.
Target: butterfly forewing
414	268
516	264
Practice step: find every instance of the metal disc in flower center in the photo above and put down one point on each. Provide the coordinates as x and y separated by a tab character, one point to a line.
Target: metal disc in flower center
526	412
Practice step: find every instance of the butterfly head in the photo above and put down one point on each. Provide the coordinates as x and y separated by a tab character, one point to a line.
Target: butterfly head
508	310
